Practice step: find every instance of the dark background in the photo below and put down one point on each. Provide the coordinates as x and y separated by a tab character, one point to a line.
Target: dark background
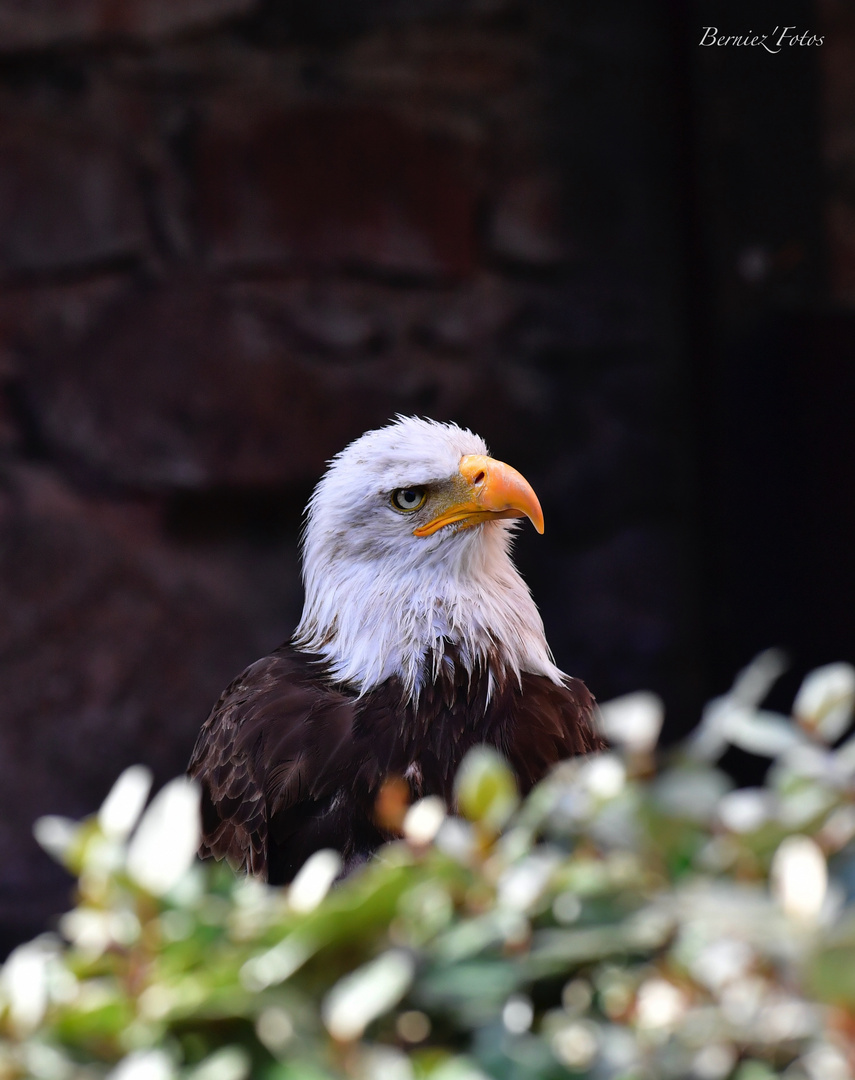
234	234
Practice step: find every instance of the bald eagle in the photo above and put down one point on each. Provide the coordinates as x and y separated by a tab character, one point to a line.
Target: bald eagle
418	640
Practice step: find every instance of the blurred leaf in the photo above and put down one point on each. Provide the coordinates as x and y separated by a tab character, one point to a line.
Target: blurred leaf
825	701
754	682
367	993
832	975
166	841
121	809
485	788
145	1065
313	881
799	877
471	991
56	835
633	721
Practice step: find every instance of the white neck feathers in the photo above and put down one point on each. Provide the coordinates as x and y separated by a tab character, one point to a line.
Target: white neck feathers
373	616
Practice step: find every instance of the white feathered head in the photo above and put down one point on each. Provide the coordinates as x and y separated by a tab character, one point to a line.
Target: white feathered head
407	549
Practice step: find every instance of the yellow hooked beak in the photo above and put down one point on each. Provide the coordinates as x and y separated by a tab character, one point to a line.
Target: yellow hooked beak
485	489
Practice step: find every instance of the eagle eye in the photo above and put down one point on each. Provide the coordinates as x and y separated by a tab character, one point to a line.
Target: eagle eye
408	499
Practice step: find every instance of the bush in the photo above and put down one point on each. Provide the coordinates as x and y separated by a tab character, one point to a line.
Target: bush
626	920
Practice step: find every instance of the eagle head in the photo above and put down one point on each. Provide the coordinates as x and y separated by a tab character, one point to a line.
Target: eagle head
406	560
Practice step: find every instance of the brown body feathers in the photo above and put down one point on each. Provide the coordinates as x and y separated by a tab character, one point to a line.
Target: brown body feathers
290	763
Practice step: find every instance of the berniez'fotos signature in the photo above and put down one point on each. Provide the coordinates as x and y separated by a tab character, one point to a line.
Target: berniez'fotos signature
781	38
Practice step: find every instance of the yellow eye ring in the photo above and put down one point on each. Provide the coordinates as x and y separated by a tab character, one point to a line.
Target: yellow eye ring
409	499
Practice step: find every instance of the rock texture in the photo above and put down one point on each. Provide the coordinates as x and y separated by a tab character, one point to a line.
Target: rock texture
335	187
38	24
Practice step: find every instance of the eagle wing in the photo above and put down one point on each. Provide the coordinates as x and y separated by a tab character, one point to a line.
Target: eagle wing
552	722
271	758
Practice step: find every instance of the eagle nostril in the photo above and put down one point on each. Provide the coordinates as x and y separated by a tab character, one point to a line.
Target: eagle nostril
479	479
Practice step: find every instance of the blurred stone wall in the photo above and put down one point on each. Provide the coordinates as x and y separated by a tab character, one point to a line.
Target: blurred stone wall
234	235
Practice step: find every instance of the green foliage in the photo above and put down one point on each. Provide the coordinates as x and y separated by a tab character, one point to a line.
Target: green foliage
632	918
